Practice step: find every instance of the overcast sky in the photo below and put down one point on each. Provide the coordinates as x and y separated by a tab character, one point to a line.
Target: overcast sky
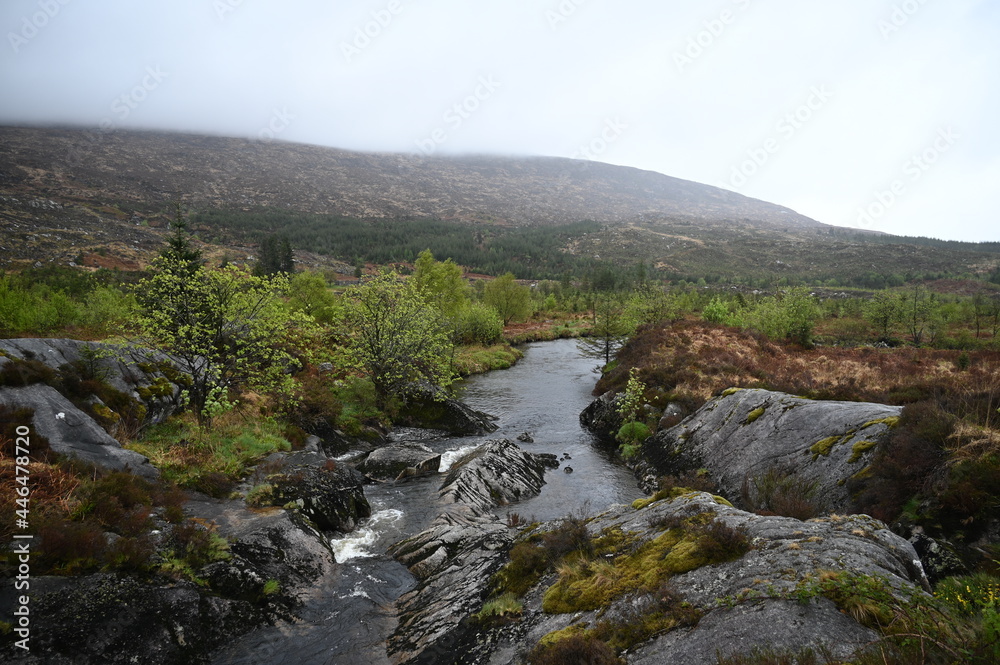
874	113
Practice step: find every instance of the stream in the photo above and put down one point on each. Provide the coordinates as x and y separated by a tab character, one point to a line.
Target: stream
543	395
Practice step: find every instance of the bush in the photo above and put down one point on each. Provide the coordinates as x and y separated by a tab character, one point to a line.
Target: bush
478	323
574	650
779	491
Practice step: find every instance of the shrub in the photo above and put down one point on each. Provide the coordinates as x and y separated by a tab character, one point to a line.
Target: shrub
574	650
780	491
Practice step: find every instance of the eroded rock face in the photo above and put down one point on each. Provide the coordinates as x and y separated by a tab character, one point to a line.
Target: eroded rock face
72	432
748	433
601	417
120	619
456	556
453	560
495	474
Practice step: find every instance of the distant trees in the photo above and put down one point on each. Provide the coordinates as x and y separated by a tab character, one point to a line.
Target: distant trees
883	312
610	328
275	256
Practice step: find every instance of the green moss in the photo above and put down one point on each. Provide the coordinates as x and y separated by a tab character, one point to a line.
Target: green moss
860	448
590	585
824	446
730	391
671	493
890	422
755	414
722	501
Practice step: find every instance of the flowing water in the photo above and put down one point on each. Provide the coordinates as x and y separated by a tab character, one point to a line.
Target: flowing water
542	395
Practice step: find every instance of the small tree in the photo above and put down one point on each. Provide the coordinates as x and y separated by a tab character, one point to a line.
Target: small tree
179	250
225	329
442	283
511	300
611	325
396	337
883	311
632	432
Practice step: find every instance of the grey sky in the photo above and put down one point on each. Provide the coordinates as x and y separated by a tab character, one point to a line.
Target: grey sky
872	113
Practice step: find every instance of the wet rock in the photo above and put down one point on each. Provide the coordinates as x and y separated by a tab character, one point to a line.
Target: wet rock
759	606
72	432
747	433
388	462
601	417
454	560
332	495
497	473
432	410
524	437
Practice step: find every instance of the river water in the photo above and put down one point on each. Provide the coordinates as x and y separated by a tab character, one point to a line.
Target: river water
542	395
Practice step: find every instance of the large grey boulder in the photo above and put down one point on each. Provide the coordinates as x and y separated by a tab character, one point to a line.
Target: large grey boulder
430	408
72	432
745	434
753	601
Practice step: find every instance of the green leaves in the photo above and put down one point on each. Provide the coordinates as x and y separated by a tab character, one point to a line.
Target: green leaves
225	328
396	337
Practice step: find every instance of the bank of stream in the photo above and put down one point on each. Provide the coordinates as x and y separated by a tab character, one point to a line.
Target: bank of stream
542	395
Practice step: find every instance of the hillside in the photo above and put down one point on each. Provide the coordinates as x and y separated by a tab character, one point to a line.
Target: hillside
80	196
147	170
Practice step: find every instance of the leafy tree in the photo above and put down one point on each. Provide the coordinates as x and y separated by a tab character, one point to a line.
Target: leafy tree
441	283
396	337
884	311
225	329
511	300
478	323
917	308
308	293
791	315
718	311
179	249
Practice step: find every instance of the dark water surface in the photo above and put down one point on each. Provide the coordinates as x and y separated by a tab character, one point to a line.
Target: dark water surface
348	621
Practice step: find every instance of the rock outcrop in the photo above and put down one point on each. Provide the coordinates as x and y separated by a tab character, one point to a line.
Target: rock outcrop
655	559
495	474
72	432
454	559
117	619
745	434
331	495
433	410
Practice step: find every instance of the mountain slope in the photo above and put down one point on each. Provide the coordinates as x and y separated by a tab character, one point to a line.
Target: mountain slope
150	169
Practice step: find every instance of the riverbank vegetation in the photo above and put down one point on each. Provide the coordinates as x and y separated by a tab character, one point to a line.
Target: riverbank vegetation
267	356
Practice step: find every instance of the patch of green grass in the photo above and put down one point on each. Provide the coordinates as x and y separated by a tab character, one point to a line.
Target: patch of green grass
890	422
210	459
477	359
